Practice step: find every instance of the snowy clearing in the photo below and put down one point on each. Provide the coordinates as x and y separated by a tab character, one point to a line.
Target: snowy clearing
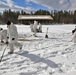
40	56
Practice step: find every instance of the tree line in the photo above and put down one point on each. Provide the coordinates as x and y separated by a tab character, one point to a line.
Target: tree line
59	17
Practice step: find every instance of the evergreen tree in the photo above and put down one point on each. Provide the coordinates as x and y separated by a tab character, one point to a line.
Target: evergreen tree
58	16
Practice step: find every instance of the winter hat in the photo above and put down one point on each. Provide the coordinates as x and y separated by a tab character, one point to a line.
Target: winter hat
8	22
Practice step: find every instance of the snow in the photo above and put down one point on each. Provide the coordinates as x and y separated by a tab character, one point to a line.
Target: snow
39	55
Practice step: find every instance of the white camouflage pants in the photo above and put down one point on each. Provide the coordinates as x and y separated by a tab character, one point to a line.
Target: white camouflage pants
16	44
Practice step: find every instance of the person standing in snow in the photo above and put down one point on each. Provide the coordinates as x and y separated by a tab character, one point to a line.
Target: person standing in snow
35	28
40	27
74	37
74	30
3	36
12	36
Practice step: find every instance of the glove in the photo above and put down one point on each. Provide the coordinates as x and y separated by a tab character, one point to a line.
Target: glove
7	43
1	29
13	38
7	37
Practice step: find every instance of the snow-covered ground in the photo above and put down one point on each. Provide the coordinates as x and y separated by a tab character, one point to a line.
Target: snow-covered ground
40	56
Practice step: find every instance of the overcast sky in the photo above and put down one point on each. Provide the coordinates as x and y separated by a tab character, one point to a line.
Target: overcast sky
33	5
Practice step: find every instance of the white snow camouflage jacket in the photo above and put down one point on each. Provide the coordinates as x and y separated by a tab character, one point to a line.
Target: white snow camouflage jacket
12	33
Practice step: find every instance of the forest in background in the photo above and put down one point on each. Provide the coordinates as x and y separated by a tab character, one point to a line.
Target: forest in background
59	17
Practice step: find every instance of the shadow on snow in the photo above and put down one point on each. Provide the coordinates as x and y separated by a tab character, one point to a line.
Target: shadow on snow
37	59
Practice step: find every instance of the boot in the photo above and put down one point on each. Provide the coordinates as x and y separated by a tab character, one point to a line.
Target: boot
6	42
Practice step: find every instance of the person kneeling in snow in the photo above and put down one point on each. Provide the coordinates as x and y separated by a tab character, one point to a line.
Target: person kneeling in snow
12	35
3	35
